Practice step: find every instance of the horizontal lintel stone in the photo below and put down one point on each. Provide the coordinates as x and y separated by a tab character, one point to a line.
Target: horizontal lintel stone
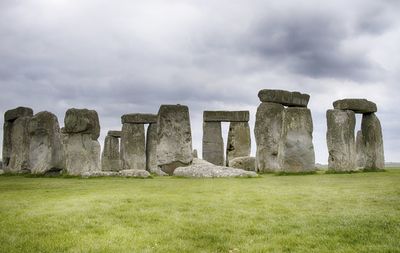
226	116
139	118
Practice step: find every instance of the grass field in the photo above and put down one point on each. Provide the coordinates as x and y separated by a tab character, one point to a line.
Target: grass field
310	213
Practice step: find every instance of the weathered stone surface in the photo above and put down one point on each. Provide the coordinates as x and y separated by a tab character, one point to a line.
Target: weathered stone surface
115	133
213	144
100	174
226	116
110	158
134	173
82	121
372	142
296	150
194	153
360	157
239	143
82	153
1	172
202	168
19	156
267	131
46	153
139	118
356	105
284	97
133	151
340	140
245	163
174	142
15	113
151	149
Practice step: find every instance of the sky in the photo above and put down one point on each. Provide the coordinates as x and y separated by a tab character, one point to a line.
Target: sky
127	56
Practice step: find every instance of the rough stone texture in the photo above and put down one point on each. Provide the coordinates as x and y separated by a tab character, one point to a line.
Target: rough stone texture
340	140
174	141
100	174
15	113
139	118
1	172
202	168
296	150
115	133
284	97
372	142
133	152
213	144
194	153
239	143
226	116
19	156
267	131
356	105
360	157
46	153
151	149
134	173
110	158
82	154
82	121
245	163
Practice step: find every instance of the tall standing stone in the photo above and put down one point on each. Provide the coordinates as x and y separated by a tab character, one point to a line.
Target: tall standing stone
372	142
296	150
239	142
19	157
45	151
213	144
360	157
133	152
174	138
267	131
110	158
151	148
340	140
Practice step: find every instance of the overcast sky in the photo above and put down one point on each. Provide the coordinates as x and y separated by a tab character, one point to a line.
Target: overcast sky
127	56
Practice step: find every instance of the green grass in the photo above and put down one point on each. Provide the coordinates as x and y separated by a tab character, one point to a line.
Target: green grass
357	212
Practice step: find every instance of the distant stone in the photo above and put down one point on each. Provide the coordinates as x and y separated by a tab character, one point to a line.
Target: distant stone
115	133
46	153
100	174
135	173
284	97
194	153
340	140
360	156
133	151
15	113
239	142
246	163
372	142
213	144
226	116
296	150
20	141
151	149
82	121
110	158
174	146
203	169
1	172
267	131
356	105
139	118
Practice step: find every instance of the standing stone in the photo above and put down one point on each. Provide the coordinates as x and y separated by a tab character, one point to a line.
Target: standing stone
213	144
194	153
372	142
82	121
296	150
151	148
133	152
110	158
340	140
45	150
239	143
267	131
19	157
174	138
360	157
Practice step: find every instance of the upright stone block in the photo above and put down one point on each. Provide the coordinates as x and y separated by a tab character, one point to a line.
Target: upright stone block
151	148
239	143
372	142
296	150
20	141
46	153
213	144
360	157
340	140
133	152
174	138
18	112
82	121
267	131
110	158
